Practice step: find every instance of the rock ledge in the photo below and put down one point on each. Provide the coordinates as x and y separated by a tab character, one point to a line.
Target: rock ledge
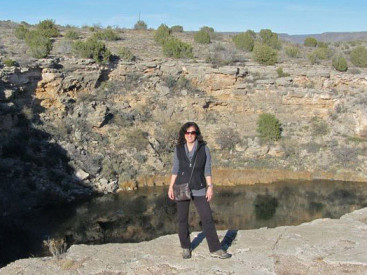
324	246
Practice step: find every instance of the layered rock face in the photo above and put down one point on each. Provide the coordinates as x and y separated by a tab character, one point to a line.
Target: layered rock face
323	246
321	111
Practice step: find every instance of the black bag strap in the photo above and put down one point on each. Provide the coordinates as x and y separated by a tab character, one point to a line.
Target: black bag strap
192	171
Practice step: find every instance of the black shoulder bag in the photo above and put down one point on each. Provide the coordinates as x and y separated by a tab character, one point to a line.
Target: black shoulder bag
182	192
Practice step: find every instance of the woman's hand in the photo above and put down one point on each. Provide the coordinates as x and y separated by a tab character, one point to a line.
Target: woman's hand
209	193
170	192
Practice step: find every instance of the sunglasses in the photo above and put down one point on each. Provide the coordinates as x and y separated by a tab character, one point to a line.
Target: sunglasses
191	133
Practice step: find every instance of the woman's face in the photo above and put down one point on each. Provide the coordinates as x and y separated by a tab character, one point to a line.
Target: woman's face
190	134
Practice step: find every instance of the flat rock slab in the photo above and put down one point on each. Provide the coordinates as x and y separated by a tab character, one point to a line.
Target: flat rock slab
324	246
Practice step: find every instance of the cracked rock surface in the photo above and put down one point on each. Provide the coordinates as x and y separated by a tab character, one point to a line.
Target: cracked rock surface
324	246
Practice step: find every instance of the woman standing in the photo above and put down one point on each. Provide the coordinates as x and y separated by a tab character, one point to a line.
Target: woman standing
192	163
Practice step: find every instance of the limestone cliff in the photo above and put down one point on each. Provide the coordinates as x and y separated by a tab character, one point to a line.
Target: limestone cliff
116	125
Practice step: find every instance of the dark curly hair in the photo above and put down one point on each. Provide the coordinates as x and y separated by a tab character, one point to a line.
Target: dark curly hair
181	134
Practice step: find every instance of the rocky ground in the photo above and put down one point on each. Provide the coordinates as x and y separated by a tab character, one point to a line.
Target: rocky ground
323	246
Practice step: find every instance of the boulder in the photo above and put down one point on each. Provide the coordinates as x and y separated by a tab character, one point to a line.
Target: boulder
82	175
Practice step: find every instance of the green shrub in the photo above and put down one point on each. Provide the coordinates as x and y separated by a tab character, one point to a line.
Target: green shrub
340	64
202	37
264	54
281	73
9	62
177	28
292	51
245	41
125	54
358	57
269	127
48	28
270	38
72	35
174	47
140	25
319	127
321	44
21	32
162	34
92	48
310	42
222	57
108	35
207	29
39	44
320	54
355	43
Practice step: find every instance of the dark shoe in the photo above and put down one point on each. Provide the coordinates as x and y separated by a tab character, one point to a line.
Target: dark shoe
221	254
186	253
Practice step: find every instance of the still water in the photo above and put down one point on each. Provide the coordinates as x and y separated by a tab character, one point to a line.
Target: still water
148	213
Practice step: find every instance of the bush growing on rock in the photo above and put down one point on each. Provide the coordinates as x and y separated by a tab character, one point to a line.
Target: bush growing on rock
177	28
125	54
358	57
48	28
39	45
202	37
175	48
292	51
321	44
162	34
319	127
57	247
270	38
245	41
108	35
92	48
21	32
227	139
264	54
207	29
140	25
221	57
340	64
320	54
72	35
281	73
9	62
269	127
310	42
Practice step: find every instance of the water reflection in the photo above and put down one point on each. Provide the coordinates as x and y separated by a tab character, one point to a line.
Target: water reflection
148	213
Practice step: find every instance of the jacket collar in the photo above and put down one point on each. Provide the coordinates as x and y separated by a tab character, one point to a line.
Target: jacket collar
197	147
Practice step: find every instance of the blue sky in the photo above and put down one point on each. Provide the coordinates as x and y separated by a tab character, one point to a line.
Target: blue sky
292	17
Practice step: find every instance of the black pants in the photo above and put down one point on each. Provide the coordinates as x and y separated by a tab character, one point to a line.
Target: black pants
205	213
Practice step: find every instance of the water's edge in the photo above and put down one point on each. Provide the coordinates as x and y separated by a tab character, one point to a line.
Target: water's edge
229	177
